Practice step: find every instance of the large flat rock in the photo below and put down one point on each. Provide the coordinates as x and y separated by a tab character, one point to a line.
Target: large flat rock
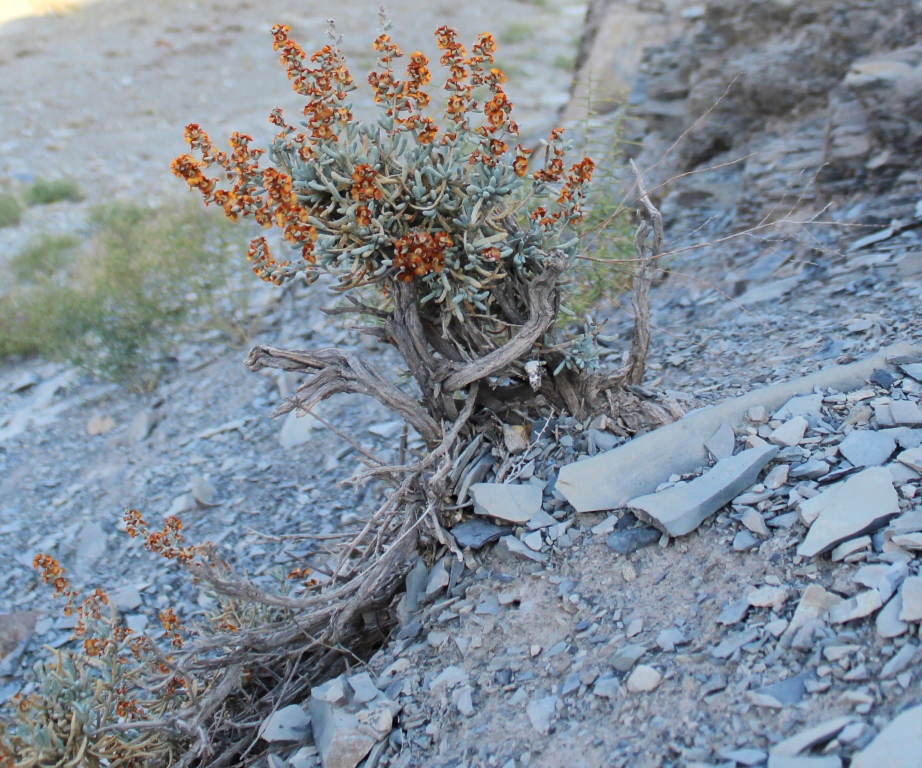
682	508
609	480
861	504
512	503
899	745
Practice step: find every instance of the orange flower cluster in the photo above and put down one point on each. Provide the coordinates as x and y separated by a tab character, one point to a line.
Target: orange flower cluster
420	253
553	169
572	195
327	85
364	187
167	542
264	195
303	575
171	624
53	573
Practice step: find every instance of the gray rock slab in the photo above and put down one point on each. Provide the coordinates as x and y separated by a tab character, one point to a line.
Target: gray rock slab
126	598
821	761
286	724
297	429
512	503
345	735
905	413
747	756
814	603
721	444
899	745
627	656
609	480
744	541
887	623
625	542
476	533
805	405
856	607
900	661
790	691
859	505
911	597
514	546
541	713
680	509
15	628
817	734
790	433
865	448
911	458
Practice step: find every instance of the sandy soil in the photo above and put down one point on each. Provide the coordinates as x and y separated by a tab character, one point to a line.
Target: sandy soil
101	90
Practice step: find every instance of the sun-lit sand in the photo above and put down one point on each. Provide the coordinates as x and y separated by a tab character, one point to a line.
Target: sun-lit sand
15	9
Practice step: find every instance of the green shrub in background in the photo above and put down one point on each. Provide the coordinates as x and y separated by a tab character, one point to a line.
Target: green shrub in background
45	192
10	210
116	306
43	256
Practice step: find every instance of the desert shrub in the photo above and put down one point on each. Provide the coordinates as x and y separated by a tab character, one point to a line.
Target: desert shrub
116	305
43	256
45	192
606	231
518	32
10	210
453	249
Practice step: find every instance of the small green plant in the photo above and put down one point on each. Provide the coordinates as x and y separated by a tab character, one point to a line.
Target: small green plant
518	32
45	192
116	305
43	256
10	210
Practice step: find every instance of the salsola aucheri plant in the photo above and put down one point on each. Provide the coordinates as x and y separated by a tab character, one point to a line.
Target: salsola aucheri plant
465	243
454	249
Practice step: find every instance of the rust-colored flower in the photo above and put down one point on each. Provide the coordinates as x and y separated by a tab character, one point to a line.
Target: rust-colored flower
364	187
363	216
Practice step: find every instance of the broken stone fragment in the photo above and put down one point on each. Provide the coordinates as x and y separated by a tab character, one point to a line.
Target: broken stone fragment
859	505
476	533
864	448
899	745
911	597
857	607
911	458
541	713
512	503
345	735
682	508
790	433
814	603
721	443
810	737
643	679
286	724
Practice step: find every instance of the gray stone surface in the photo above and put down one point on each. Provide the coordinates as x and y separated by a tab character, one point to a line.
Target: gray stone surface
900	660
790	433
286	724
861	504
476	533
627	656
512	503
625	542
297	429
856	607
899	745
682	508
864	448
643	679
809	737
911	598
887	622
609	480
345	735
721	444
541	713
911	458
